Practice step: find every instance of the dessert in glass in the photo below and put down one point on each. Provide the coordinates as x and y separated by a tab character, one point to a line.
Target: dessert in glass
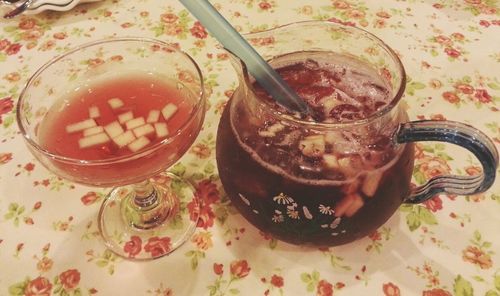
339	173
117	113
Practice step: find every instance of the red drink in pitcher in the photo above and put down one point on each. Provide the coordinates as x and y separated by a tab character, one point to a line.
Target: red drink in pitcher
333	171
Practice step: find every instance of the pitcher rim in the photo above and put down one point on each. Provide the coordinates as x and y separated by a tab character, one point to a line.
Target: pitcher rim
289	117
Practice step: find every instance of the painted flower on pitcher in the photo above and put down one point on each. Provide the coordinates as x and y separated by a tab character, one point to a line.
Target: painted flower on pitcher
133	246
70	279
38	287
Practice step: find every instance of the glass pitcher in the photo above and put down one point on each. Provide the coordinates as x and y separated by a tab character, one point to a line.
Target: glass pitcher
337	178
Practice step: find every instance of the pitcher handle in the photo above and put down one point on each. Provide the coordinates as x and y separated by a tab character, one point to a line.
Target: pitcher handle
462	135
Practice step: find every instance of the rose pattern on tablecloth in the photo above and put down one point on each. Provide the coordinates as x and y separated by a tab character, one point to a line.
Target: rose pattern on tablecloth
445	246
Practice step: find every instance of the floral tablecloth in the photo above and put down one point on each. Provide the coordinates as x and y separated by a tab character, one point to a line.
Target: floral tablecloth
450	245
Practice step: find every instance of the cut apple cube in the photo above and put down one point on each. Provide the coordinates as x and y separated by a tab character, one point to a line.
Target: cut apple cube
124	139
342	206
357	203
143	130
161	129
92	131
138	144
331	161
81	125
115	103
93	140
94	112
312	146
114	129
168	111
124	117
136	122
153	116
371	182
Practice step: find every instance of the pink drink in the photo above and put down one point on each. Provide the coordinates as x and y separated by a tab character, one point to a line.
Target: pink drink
119	102
344	181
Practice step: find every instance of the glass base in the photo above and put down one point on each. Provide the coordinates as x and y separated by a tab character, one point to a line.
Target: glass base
153	227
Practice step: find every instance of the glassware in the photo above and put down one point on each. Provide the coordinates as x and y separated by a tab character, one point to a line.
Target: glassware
337	178
150	212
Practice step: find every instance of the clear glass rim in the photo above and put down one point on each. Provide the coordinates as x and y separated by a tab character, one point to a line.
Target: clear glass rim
200	104
322	125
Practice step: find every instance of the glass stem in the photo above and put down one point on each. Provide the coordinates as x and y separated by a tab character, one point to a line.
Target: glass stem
147	206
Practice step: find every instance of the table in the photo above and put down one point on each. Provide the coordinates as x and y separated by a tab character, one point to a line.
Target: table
49	242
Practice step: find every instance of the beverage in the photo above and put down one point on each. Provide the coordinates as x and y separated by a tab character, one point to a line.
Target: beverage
345	182
114	118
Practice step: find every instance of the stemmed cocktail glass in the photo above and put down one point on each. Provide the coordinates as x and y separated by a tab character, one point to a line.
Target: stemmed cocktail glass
119	112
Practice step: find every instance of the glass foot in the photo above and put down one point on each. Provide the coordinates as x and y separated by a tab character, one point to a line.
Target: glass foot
154	225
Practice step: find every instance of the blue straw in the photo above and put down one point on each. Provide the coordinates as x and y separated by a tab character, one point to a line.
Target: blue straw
271	81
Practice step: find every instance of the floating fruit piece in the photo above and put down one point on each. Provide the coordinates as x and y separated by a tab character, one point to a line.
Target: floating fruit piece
371	182
136	122
93	140
115	103
138	144
94	112
161	129
124	117
143	130
79	126
168	111
312	146
92	131
153	116
124	139
114	129
357	203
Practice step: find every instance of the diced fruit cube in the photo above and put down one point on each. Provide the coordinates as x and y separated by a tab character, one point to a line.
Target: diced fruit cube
271	130
143	130
114	129
136	122
138	144
81	125
94	112
115	103
153	116
349	205
356	204
161	129
371	182
124	117
124	139
312	146
168	111
92	131
330	161
93	140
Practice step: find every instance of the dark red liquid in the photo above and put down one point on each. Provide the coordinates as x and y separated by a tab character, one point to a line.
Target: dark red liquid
290	191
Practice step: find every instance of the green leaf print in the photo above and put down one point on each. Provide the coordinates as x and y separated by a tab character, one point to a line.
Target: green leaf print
426	216
494	86
18	289
462	287
497	282
413	221
492	293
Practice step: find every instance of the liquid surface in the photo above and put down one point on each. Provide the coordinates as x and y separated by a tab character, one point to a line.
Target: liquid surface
139	94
